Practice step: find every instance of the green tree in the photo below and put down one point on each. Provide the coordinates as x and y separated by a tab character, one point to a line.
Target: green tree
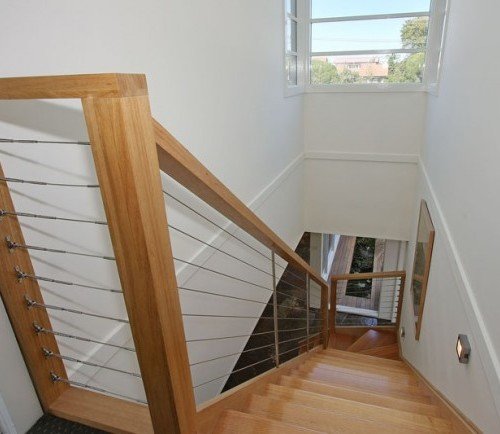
414	33
409	69
323	73
347	76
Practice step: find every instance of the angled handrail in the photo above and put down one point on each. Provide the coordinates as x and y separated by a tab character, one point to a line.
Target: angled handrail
180	164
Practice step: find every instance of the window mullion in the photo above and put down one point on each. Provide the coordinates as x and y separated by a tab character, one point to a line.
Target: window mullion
370	17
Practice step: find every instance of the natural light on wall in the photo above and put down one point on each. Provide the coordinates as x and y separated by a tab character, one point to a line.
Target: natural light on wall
363	44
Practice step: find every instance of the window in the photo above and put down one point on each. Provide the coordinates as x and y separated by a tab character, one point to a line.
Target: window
364	44
291	43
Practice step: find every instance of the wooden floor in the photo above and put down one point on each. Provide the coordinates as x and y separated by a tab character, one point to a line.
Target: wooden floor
363	388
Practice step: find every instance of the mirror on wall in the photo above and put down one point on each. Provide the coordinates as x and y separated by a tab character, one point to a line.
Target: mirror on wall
422	264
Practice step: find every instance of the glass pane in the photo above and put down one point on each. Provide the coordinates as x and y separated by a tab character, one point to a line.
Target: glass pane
291	7
291	35
395	68
291	69
347	8
370	35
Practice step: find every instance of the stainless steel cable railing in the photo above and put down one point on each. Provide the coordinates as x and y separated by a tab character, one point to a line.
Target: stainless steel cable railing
74	355
279	323
258	330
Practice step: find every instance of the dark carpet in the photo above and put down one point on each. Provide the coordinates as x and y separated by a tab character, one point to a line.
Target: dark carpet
48	424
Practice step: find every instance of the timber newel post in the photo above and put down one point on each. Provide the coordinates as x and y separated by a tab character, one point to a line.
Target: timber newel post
124	149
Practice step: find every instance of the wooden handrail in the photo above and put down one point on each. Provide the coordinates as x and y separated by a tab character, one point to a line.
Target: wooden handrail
363	276
73	86
180	164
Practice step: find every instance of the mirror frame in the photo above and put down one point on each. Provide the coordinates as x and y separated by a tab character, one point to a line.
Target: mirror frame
425	231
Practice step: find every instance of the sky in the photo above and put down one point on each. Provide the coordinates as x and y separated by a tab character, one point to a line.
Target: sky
360	35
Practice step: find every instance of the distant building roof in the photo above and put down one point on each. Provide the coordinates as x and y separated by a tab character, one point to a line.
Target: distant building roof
364	65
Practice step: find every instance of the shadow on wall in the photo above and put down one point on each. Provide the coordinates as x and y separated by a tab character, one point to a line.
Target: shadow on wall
46	117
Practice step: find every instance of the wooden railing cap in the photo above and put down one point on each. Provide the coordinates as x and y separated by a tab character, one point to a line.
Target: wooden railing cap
374	275
73	86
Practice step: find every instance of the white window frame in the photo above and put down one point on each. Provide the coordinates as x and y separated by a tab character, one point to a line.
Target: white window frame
434	52
302	38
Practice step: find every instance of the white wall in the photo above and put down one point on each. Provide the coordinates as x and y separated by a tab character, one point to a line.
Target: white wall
22	406
450	309
361	156
215	76
460	158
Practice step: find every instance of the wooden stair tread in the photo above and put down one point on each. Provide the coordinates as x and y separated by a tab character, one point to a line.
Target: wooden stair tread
395	390
363	378
366	371
372	339
320	420
236	422
360	357
360	364
386	351
360	396
385	377
334	391
355	409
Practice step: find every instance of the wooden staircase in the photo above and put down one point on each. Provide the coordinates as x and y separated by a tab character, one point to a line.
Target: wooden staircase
345	391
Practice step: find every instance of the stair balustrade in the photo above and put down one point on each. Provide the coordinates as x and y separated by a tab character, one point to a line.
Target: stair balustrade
366	299
187	291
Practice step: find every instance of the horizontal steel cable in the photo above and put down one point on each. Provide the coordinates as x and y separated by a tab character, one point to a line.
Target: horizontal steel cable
229	296
220	273
234	354
47	217
56	378
291	307
13	245
243	336
49	353
39	329
294	339
22	275
233	372
32	303
52	142
218	249
222	295
227	337
293	349
227	232
238	316
229	255
45	183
